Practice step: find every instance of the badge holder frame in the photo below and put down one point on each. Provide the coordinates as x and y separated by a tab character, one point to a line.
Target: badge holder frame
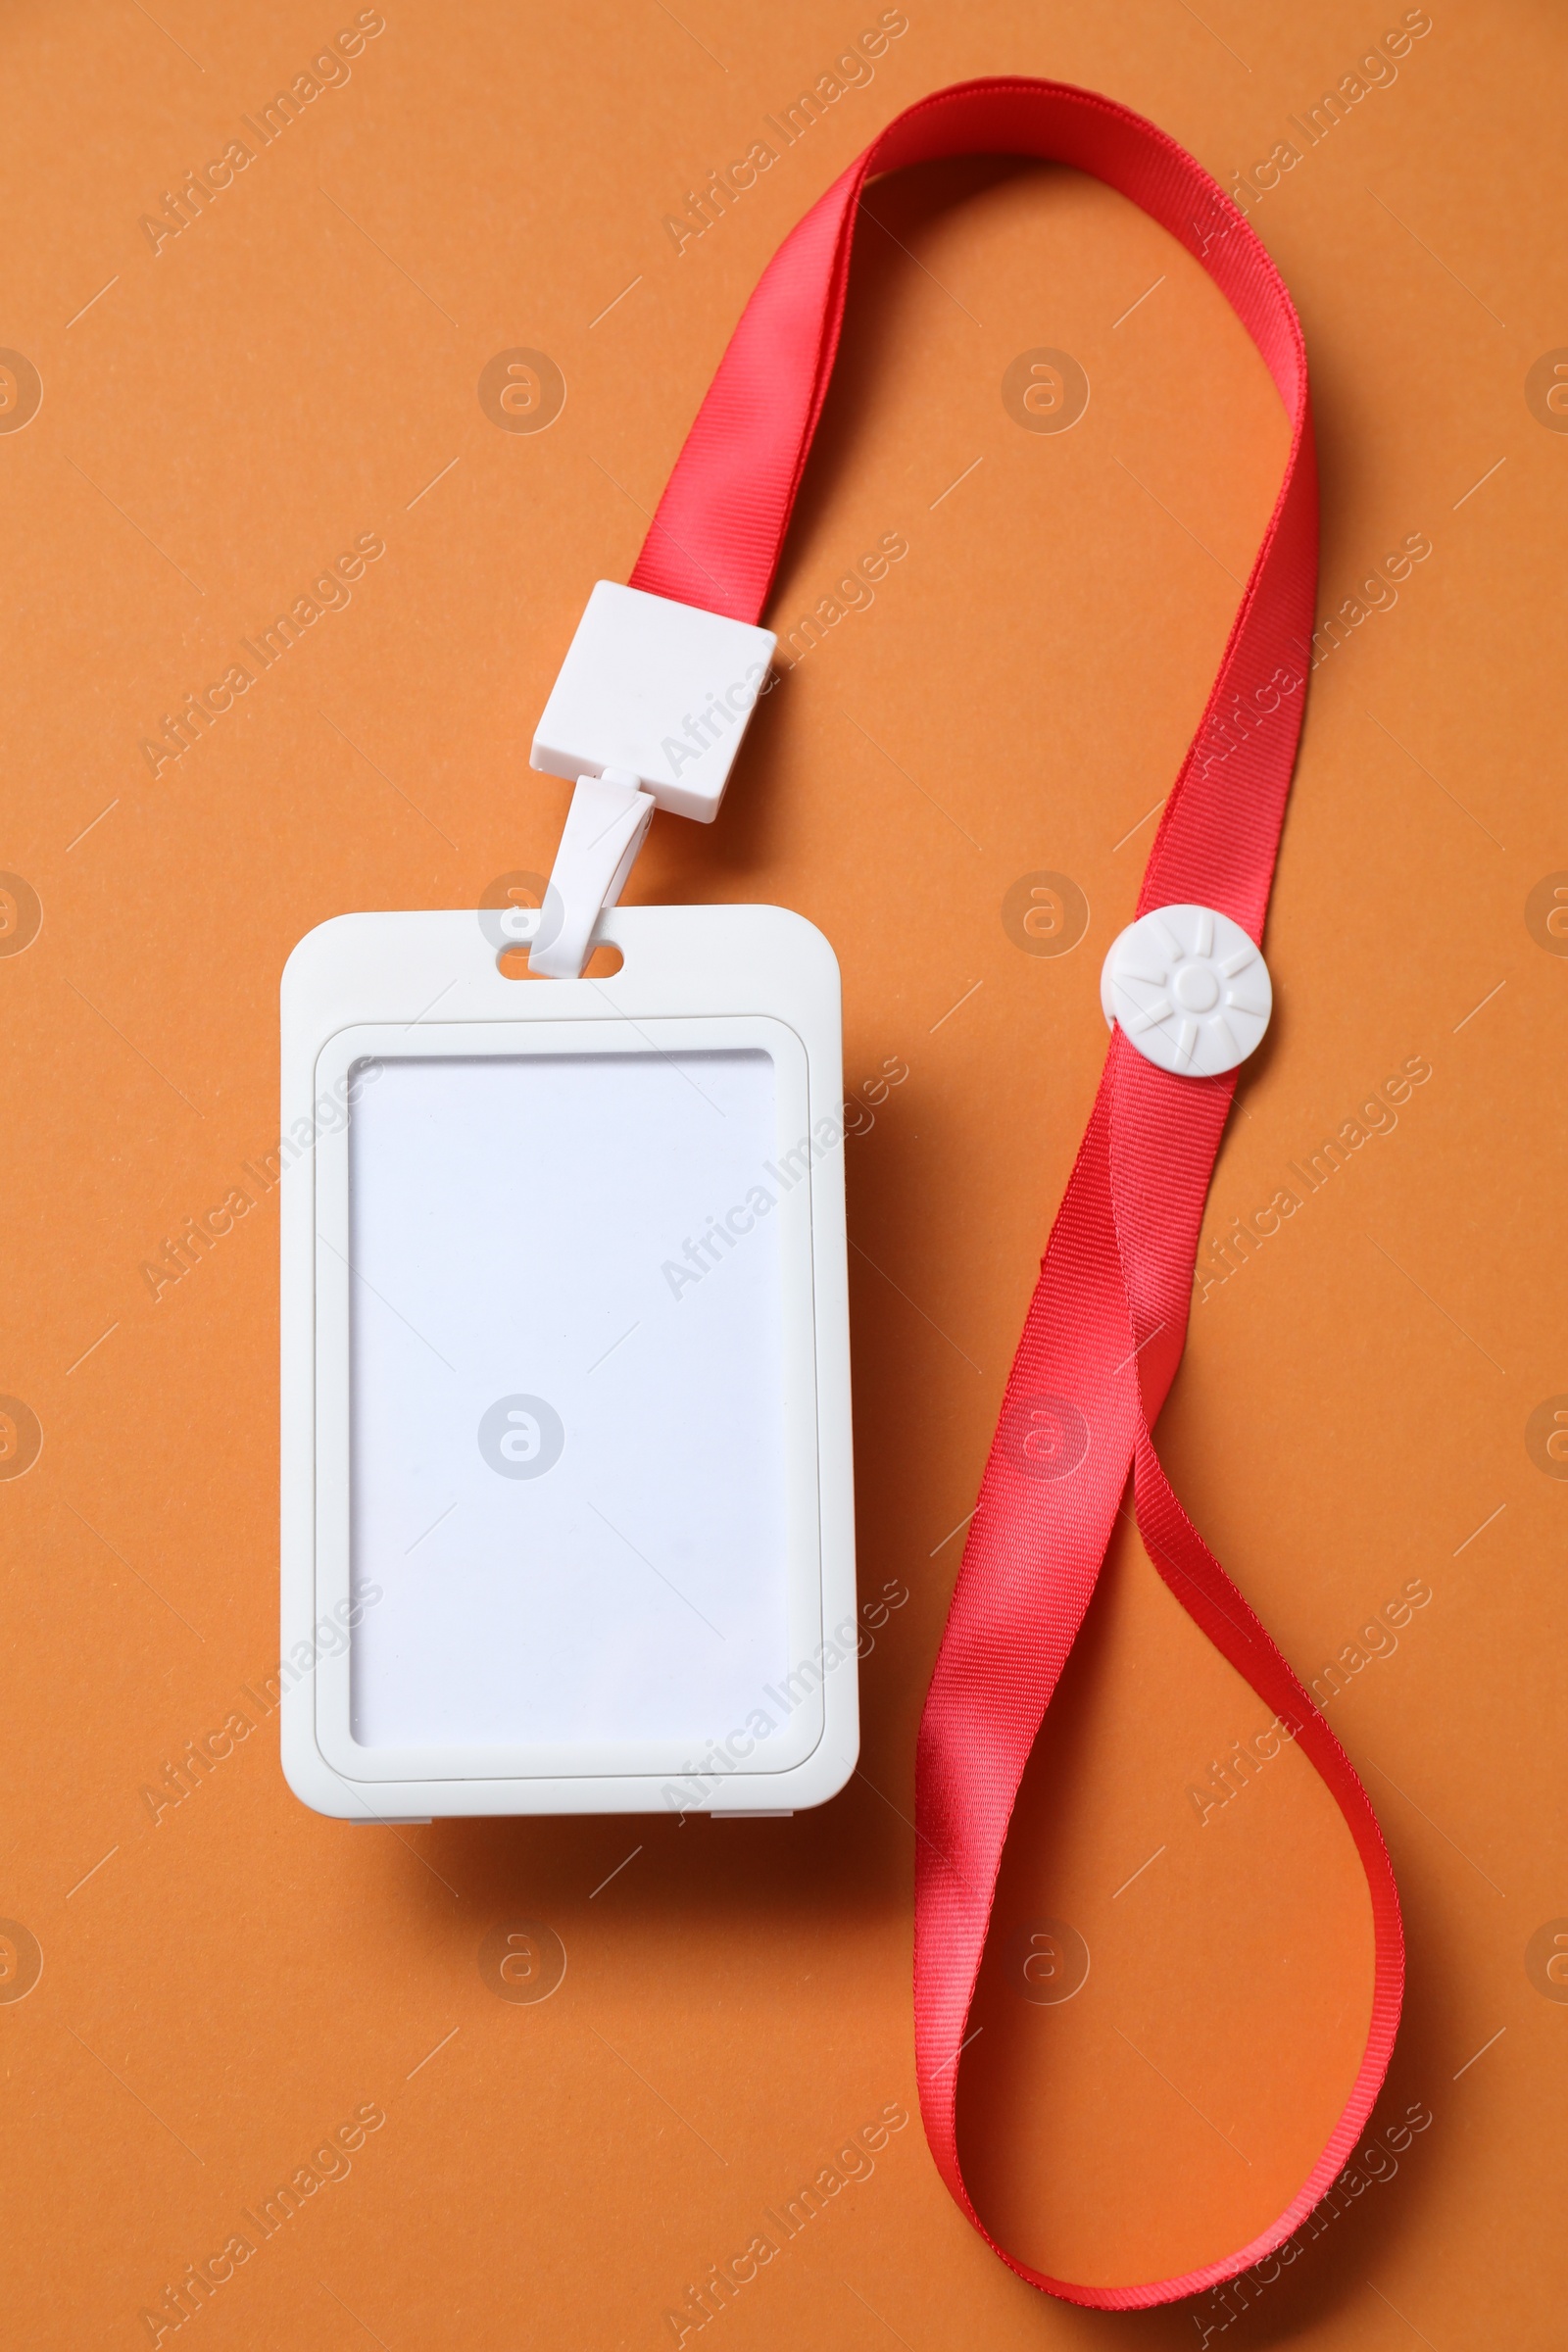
362	990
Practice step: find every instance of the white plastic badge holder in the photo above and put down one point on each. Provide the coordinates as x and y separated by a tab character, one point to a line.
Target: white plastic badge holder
567	1515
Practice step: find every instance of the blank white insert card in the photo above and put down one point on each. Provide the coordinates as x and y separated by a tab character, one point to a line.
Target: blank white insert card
570	1488
565	1381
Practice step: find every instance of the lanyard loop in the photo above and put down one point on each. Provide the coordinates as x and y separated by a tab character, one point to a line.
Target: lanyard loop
1106	1326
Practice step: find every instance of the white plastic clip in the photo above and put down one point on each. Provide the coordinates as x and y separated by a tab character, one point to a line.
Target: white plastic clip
647	711
606	827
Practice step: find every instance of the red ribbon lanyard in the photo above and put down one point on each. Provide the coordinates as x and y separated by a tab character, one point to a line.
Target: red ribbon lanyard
1107	1322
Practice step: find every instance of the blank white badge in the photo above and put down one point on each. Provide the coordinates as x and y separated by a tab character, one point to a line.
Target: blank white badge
568	1518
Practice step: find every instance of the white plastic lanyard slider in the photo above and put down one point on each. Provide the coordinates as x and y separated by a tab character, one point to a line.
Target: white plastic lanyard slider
648	712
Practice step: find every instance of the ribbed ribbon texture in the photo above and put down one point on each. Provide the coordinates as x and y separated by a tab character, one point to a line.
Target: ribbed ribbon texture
1107	1322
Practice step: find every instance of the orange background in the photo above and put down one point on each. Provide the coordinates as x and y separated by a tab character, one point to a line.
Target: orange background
226	1982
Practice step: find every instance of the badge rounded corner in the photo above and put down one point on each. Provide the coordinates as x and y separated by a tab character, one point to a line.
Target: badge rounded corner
809	941
310	1778
313	949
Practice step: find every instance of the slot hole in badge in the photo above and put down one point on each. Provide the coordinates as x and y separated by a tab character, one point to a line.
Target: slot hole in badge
603	964
509	917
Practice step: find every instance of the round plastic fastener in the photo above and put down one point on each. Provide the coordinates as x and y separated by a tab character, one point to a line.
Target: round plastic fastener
1190	988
